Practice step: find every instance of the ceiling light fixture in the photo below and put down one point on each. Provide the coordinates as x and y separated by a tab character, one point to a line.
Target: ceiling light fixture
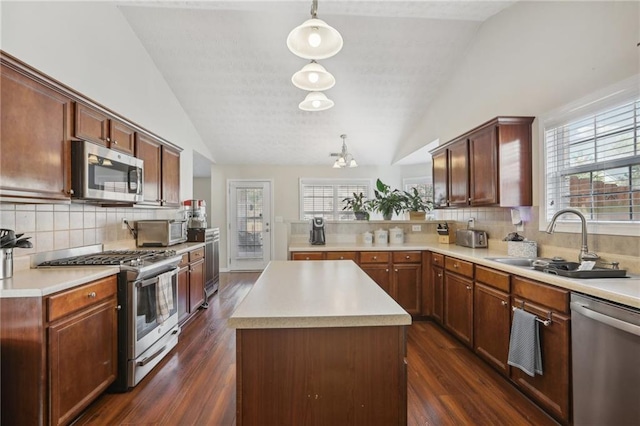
344	158
314	38
313	77
315	101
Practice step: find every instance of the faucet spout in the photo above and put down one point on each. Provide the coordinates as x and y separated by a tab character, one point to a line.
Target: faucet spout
584	250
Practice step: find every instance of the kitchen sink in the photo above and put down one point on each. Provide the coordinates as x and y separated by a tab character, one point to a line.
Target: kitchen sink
515	261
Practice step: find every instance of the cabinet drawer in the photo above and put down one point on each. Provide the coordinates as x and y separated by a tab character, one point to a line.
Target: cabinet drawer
185	260
437	259
62	304
459	266
550	296
493	278
303	255
342	255
196	254
374	257
407	257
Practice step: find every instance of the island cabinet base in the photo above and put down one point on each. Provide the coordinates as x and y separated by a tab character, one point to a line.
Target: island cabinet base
322	376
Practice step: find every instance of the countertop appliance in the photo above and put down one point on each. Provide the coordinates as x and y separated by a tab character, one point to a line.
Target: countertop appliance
100	174
144	336
196	211
211	262
605	343
471	238
160	233
316	234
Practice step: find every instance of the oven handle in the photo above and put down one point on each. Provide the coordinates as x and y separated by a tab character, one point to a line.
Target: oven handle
154	280
152	357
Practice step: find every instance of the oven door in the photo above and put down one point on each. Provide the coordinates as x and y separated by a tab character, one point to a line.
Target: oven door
145	322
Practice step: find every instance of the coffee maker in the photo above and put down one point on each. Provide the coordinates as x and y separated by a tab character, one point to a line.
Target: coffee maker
316	234
196	216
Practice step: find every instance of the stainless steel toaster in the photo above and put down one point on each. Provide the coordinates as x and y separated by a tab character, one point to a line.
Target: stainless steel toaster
471	238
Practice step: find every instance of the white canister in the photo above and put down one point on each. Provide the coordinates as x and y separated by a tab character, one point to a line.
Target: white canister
367	238
382	237
396	235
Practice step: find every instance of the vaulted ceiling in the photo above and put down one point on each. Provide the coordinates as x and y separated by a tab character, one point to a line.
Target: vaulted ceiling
228	65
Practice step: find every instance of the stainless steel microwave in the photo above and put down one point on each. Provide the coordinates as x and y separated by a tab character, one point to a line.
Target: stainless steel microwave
160	233
102	174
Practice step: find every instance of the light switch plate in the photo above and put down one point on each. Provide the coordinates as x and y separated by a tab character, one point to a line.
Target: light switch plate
416	228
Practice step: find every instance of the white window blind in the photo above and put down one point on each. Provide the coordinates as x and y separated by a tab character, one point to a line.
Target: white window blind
593	164
323	198
422	184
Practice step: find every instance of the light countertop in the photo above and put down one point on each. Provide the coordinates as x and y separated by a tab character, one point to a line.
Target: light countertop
31	282
307	294
621	290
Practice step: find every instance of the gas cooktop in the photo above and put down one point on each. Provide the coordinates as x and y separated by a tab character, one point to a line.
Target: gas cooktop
112	257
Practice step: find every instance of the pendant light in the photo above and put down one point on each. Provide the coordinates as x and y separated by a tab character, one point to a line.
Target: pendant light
313	77
315	101
314	38
345	159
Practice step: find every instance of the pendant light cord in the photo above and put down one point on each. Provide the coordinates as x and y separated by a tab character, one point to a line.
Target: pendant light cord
314	9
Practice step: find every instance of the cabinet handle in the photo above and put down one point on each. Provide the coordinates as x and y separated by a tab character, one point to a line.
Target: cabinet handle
439	275
375	257
306	258
92	295
386	270
107	139
396	270
118	307
341	257
407	257
503	303
115	142
455	265
468	287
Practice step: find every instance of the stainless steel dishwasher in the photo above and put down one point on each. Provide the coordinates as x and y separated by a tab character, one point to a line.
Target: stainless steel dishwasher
606	362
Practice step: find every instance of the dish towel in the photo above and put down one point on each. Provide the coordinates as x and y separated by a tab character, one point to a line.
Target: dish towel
164	297
524	344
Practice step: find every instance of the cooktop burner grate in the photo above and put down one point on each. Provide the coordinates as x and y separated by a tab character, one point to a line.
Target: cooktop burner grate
111	257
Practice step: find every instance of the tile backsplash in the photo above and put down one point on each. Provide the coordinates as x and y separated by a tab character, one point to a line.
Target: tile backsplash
61	226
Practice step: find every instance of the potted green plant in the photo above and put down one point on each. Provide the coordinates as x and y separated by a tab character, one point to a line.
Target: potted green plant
387	201
416	205
358	205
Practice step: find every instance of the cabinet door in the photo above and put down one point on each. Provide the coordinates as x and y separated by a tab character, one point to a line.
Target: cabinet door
407	285
303	255
122	137
380	274
34	136
440	179
183	294
427	285
150	151
458	306
82	364
196	285
552	389
91	125
483	162
437	279
492	326
342	255
458	173
170	177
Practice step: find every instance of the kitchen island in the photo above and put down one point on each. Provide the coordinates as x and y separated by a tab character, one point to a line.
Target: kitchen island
319	343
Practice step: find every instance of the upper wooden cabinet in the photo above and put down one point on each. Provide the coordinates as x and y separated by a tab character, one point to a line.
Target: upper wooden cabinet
161	171
34	136
487	166
170	177
95	126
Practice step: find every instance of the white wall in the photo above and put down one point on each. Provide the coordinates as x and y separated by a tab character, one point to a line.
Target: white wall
286	193
90	47
530	59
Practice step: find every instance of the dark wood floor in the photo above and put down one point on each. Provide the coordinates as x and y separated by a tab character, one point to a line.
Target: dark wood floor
195	383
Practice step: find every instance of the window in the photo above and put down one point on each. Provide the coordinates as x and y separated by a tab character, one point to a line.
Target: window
424	185
323	197
593	162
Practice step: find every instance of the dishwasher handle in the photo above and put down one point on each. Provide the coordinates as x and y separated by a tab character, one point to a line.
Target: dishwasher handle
610	321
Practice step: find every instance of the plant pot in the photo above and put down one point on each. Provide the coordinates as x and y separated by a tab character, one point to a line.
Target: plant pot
387	216
417	215
361	215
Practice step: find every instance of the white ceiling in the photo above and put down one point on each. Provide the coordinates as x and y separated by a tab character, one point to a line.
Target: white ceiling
228	65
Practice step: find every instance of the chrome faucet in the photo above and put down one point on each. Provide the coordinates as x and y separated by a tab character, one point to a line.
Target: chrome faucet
585	254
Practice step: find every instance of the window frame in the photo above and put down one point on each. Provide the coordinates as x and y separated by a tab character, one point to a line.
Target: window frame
601	100
333	182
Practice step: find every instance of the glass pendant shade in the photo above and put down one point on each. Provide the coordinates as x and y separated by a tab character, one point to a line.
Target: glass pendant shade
314	39
313	77
315	101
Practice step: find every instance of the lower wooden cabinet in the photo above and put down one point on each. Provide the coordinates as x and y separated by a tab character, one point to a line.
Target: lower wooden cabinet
311	255
492	326
437	278
58	353
381	274
191	280
458	306
196	285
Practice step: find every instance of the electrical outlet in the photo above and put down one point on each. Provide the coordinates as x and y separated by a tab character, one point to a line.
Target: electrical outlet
416	228
472	222
124	223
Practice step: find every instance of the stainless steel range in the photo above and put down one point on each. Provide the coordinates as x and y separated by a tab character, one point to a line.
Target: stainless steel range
147	291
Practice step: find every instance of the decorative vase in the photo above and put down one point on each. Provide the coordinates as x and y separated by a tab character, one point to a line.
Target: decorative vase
387	216
361	215
417	215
